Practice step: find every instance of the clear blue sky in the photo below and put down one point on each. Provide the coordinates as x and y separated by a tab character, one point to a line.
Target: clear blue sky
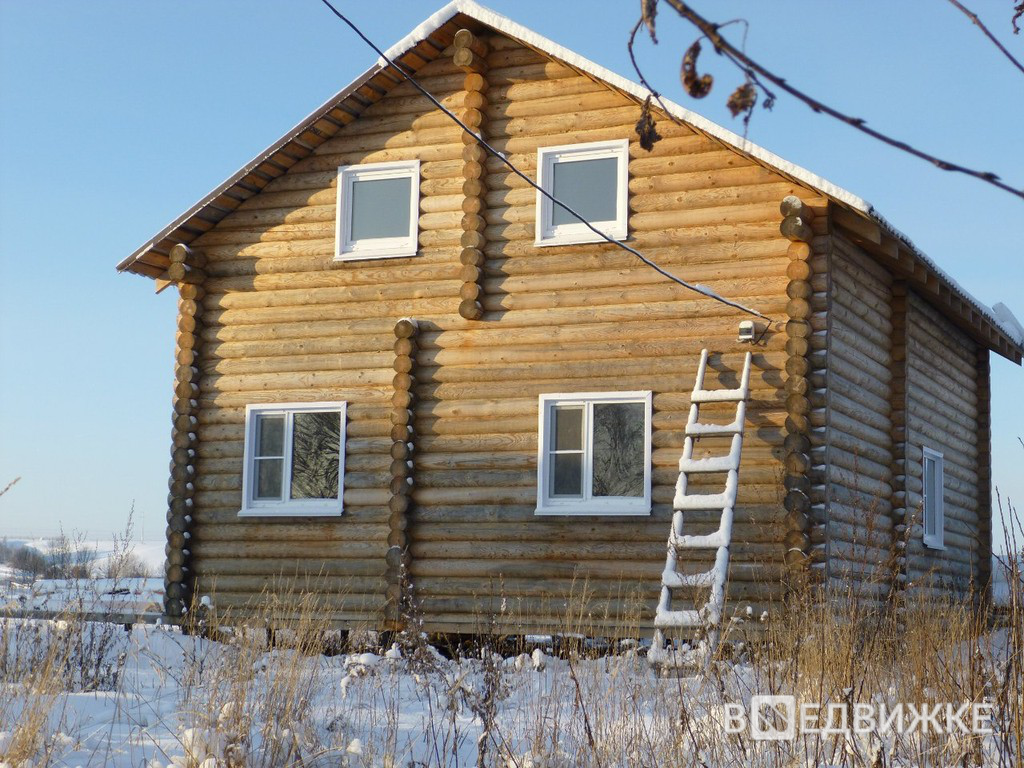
115	116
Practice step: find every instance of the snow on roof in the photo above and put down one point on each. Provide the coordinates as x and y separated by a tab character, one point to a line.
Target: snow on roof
1002	319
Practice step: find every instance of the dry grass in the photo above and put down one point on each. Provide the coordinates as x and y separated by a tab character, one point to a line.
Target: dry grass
255	690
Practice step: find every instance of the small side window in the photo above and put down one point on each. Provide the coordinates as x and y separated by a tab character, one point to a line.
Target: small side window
294	459
378	210
594	454
932	476
591	179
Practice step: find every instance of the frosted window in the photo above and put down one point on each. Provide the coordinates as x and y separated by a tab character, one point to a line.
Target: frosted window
594	454
315	439
380	208
294	459
934	513
618	449
589	187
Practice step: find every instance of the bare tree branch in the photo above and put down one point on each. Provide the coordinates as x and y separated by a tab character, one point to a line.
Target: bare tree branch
752	68
9	486
978	23
643	80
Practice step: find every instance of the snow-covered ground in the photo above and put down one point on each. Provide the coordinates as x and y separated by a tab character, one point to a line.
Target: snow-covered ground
132	596
166	699
91	693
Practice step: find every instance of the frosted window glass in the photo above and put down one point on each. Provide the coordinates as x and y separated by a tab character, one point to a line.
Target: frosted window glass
589	187
618	449
380	208
315	439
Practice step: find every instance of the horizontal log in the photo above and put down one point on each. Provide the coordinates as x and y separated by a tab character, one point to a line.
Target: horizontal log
558	104
878	491
568	84
310	550
942	425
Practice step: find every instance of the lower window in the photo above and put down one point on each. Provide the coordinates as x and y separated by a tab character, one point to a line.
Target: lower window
594	454
934	513
294	459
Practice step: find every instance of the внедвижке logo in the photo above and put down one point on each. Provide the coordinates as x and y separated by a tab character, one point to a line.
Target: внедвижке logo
778	718
773	718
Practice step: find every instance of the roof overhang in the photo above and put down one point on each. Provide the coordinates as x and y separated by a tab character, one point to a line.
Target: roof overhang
429	40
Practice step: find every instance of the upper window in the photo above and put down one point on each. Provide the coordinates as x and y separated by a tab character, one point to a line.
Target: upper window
592	180
294	459
934	521
378	210
595	454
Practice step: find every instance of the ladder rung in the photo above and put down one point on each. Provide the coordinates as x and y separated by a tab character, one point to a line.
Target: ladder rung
710	464
697	429
702	501
718	395
674	580
706	541
667	619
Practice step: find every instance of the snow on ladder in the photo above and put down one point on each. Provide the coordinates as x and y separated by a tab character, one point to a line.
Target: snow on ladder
707	620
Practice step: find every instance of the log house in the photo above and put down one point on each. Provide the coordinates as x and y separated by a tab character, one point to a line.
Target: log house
360	387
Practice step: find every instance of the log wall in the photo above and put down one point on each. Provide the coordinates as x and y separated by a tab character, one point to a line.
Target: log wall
283	322
586	318
859	452
947	409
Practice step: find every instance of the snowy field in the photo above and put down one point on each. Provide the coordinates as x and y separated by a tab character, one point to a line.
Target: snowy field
91	693
98	557
95	694
150	552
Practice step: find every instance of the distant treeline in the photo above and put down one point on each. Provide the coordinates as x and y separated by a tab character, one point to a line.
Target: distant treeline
63	559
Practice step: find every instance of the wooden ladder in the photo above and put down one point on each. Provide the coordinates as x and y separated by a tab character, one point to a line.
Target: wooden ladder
708	619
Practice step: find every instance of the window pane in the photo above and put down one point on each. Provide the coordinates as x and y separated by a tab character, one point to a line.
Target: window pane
315	441
268	478
567	474
380	208
619	449
568	428
270	435
930	497
588	187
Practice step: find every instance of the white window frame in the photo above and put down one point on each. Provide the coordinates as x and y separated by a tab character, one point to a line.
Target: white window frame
588	505
347	249
565	234
933	506
252	507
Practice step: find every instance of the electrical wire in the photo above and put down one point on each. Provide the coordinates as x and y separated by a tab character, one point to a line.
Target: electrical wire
696	287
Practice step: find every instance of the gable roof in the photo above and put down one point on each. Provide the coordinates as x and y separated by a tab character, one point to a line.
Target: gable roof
858	218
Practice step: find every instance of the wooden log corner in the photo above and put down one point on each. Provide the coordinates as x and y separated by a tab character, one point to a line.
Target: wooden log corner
178	574
402	481
474	159
796	227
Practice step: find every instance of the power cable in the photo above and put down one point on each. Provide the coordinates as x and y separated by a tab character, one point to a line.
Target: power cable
696	287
